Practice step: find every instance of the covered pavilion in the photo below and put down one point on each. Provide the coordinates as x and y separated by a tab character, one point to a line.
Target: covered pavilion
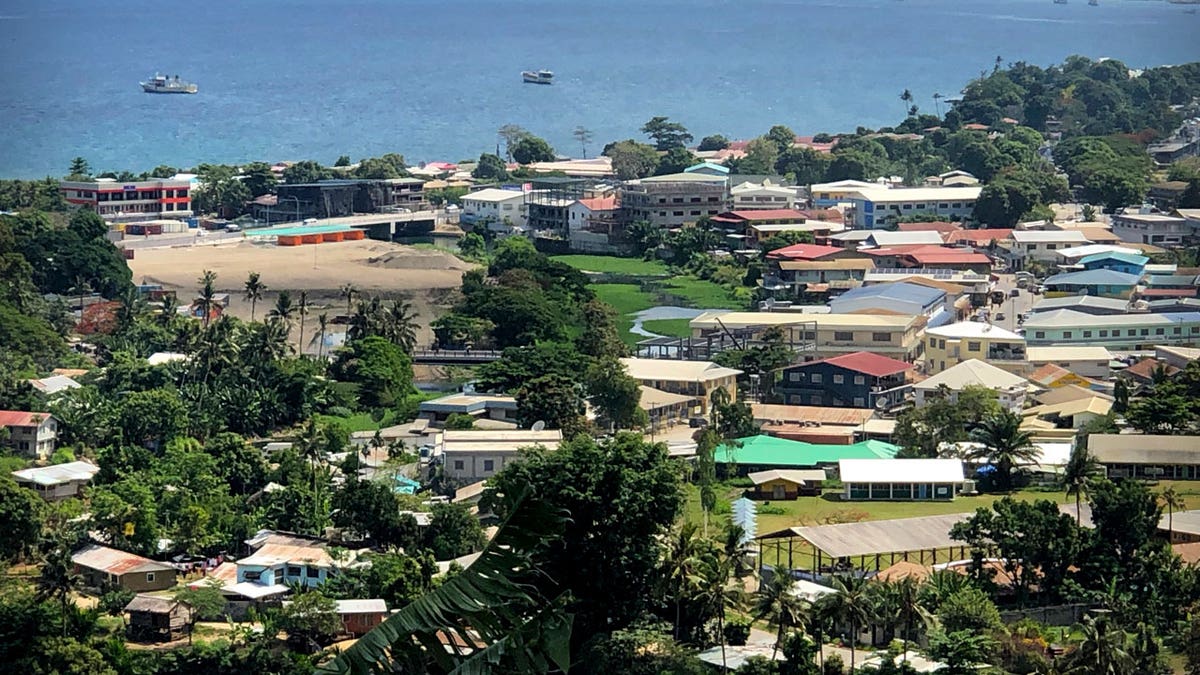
885	541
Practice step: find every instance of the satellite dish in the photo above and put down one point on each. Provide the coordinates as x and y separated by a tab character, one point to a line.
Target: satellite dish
538	426
881	403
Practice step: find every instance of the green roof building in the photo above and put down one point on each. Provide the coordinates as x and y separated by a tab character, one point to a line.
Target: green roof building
755	452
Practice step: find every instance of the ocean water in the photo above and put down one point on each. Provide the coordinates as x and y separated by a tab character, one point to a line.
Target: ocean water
297	79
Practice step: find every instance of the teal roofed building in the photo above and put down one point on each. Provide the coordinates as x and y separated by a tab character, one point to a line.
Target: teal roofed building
709	168
1128	263
755	453
1101	282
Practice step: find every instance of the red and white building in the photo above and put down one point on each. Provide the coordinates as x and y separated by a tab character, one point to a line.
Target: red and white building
131	200
32	434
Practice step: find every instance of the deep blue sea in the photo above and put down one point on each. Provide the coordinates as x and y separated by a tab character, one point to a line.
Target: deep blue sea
297	79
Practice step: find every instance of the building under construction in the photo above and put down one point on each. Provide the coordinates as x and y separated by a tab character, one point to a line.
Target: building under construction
547	203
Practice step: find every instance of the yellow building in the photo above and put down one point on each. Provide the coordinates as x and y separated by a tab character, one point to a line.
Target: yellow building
697	379
895	335
950	345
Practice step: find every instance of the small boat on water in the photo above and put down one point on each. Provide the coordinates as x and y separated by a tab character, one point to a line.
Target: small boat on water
538	76
1094	3
161	84
1060	2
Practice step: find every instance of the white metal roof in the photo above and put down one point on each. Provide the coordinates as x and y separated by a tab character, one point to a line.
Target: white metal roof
881	194
494	195
799	476
901	470
1092	249
1049	237
361	606
973	329
972	372
676	371
1067	353
59	473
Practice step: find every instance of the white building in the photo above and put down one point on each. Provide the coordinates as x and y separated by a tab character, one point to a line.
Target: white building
764	195
1011	389
1143	227
878	206
471	456
493	205
60	481
131	200
1043	245
1084	361
30	433
900	479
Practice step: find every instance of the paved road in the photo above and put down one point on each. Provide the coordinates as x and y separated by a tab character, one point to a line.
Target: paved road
135	242
1011	306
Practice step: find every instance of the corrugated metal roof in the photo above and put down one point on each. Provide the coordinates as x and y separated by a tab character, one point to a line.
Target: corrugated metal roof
771	451
112	561
59	473
901	470
1110	277
899	290
879	536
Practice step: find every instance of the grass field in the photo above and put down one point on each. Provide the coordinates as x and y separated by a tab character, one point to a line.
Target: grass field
358	422
699	293
613	265
828	509
669	327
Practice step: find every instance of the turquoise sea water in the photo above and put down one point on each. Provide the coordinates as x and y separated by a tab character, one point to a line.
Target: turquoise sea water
295	79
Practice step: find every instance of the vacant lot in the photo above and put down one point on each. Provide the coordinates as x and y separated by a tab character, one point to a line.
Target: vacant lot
606	264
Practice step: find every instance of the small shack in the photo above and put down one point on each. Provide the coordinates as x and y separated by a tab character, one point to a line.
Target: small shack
155	619
787	483
360	616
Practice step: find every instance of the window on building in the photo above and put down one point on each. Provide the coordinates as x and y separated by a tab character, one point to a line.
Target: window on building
489	465
1039	334
1131	332
795	376
1087	333
1051	247
974	346
920	206
149	577
294	571
881	337
957	205
459	465
859	379
843	336
1103	333
678	213
817	378
838	379
943	205
1145	331
1159	331
816	400
908	207
1176	330
313	572
1066	335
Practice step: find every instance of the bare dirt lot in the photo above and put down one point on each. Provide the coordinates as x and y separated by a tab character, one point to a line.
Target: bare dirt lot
425	277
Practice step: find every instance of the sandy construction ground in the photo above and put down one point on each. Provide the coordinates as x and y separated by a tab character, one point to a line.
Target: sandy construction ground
425	277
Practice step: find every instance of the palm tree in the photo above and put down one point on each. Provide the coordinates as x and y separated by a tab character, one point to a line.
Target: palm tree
402	325
349	292
322	324
908	600
302	310
851	604
168	307
937	103
58	578
1103	650
283	310
682	566
254	291
207	293
1171	499
907	97
1077	475
939	586
1005	444
777	602
715	594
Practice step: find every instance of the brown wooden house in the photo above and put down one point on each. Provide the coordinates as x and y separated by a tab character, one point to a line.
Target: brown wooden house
786	483
360	616
103	567
155	619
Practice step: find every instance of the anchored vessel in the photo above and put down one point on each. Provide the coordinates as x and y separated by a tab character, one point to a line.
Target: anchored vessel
161	84
538	76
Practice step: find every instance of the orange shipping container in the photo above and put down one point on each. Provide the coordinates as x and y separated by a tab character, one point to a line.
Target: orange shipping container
310	239
355	235
289	240
333	236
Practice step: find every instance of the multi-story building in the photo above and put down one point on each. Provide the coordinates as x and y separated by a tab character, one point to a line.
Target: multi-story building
1041	245
493	205
698	379
1090	362
334	198
674	200
893	335
1136	332
131	200
948	346
1011	389
855	380
1144	227
880	206
475	455
837	192
30	433
764	195
61	481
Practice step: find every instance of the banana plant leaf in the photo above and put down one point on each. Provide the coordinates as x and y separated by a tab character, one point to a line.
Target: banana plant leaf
501	613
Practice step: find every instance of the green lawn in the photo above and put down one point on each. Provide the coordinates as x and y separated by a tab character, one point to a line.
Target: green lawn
700	294
613	265
669	327
624	298
358	422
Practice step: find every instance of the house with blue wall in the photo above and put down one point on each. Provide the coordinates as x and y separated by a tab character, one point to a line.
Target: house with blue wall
1099	282
281	559
856	380
1126	263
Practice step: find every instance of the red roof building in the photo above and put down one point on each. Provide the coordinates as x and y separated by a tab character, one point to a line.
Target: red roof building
869	363
805	252
599	203
761	217
975	126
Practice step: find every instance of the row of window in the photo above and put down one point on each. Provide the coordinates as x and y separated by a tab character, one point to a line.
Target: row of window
1116	332
817	399
489	465
919	207
848	336
818	378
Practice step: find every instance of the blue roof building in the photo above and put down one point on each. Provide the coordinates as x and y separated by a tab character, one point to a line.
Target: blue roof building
1128	263
1101	282
710	168
904	297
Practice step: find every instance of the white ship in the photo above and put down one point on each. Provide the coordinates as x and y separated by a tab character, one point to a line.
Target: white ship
161	84
538	77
